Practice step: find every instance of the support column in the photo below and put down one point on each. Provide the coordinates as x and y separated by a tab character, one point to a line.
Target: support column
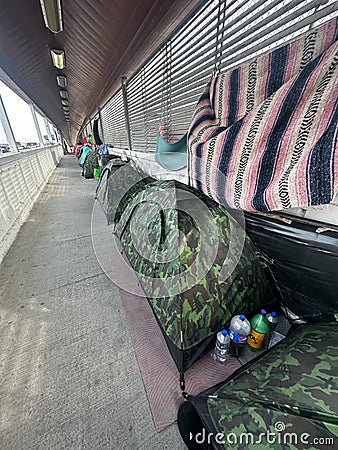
126	110
48	130
7	127
36	123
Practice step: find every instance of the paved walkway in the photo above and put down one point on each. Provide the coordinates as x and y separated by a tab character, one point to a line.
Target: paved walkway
68	374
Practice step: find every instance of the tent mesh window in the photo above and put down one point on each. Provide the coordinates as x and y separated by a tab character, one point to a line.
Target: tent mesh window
219	35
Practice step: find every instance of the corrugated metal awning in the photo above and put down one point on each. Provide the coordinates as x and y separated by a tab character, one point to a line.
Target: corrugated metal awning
102	40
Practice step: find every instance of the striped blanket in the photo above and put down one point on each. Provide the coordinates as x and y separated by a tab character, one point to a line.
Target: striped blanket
264	136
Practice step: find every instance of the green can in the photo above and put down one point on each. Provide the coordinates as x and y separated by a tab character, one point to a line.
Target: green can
97	173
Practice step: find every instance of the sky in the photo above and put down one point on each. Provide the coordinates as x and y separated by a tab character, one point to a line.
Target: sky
20	117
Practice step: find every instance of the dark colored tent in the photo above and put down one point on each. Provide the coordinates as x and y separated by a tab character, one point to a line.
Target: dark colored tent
290	392
91	162
106	188
118	182
195	264
104	160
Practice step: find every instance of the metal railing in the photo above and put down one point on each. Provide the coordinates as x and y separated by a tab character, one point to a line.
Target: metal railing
22	177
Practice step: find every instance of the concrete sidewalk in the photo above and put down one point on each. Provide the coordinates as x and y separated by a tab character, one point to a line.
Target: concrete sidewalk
68	374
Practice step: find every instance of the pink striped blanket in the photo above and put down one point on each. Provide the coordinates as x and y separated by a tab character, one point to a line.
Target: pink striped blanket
264	136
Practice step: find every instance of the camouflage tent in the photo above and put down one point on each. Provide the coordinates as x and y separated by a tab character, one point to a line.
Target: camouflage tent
90	163
104	159
118	182
195	263
285	399
106	188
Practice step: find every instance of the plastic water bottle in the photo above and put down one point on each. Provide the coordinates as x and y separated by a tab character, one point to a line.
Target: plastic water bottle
222	346
259	328
239	332
273	320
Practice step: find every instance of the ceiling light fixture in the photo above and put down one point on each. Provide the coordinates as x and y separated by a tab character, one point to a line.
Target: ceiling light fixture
58	58
64	102
52	14
64	93
61	81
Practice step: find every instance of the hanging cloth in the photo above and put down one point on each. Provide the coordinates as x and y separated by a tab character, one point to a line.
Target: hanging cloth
96	135
171	156
86	150
264	135
103	150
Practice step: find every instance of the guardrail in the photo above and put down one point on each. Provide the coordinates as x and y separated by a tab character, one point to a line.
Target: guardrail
22	177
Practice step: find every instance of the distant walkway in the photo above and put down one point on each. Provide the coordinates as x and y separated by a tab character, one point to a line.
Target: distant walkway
68	375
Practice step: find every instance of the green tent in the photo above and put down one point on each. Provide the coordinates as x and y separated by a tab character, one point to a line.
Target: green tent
195	264
117	183
290	392
91	163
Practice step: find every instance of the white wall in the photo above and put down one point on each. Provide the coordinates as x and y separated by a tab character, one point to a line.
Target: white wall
146	162
327	214
22	177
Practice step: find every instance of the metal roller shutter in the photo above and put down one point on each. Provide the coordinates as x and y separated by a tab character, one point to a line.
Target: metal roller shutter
114	123
221	34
